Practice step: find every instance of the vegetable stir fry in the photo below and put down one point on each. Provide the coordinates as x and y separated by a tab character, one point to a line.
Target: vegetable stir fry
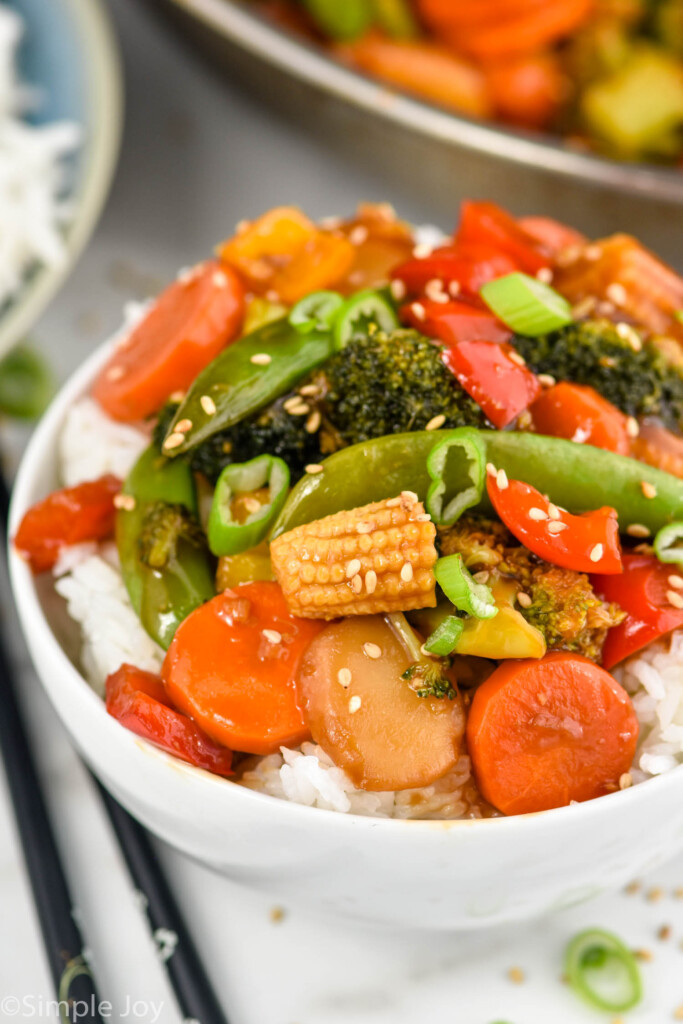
585	69
411	504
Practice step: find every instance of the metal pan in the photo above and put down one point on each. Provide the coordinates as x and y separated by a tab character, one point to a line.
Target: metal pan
419	145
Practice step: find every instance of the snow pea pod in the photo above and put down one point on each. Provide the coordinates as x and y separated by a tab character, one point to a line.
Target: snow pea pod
247	375
163	596
575	476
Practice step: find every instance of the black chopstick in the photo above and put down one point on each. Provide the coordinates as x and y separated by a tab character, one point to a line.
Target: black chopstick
196	999
73	982
193	991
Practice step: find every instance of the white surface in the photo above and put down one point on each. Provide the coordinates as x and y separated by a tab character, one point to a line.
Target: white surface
197	158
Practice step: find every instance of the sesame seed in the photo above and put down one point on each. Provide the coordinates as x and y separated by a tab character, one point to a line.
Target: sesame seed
177	396
436	422
491	469
664	933
637	530
373	651
545	275
516	358
358	235
537	514
674	598
676	582
596	553
183	426
482	576
592	252
501	479
678	893
174	441
397	289
124	501
632	427
272	636
516	975
370	581
435	292
407	573
655	894
678	1012
357	584
295	407
260	359
330	223
115	373
242	226
422	251
523	599
625	780
629	334
410	496
454	289
644	955
424	517
649	490
616	293
220	280
632	888
208	405
313	468
546	380
583	308
556	527
418	310
276	915
553	511
309	390
354	704
352	568
272	295
344	677
313	422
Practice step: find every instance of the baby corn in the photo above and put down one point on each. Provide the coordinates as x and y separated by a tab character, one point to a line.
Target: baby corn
378	558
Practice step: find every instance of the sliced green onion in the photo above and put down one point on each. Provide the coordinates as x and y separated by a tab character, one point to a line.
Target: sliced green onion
526	305
445	637
227	537
665	545
26	383
466	443
340	19
395	18
461	589
603	971
361	314
316	312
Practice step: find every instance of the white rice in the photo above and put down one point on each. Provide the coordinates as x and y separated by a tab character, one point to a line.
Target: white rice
91	444
33	171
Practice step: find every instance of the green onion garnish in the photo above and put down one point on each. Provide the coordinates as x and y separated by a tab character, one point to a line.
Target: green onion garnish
461	589
343	20
526	305
366	309
228	537
603	971
316	312
445	637
26	383
463	443
665	545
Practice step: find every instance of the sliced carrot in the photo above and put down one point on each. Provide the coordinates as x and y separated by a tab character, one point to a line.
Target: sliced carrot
527	90
188	325
578	413
232	664
425	68
542	733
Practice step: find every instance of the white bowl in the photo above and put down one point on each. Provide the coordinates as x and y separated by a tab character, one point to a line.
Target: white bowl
437	874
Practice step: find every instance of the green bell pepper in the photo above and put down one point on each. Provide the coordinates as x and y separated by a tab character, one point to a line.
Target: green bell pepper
183	579
575	476
247	375
228	537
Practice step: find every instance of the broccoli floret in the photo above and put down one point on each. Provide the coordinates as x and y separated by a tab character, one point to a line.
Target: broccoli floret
640	382
390	384
429	680
163	527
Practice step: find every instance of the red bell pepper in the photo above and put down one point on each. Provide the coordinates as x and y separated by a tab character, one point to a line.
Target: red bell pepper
470	267
70	516
453	322
483	223
642	591
585	543
138	700
489	373
580	414
551	234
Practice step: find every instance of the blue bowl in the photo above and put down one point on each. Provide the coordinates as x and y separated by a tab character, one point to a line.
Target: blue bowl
69	52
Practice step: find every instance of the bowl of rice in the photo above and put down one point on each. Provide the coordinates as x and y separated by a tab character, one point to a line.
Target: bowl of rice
61	109
295	815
